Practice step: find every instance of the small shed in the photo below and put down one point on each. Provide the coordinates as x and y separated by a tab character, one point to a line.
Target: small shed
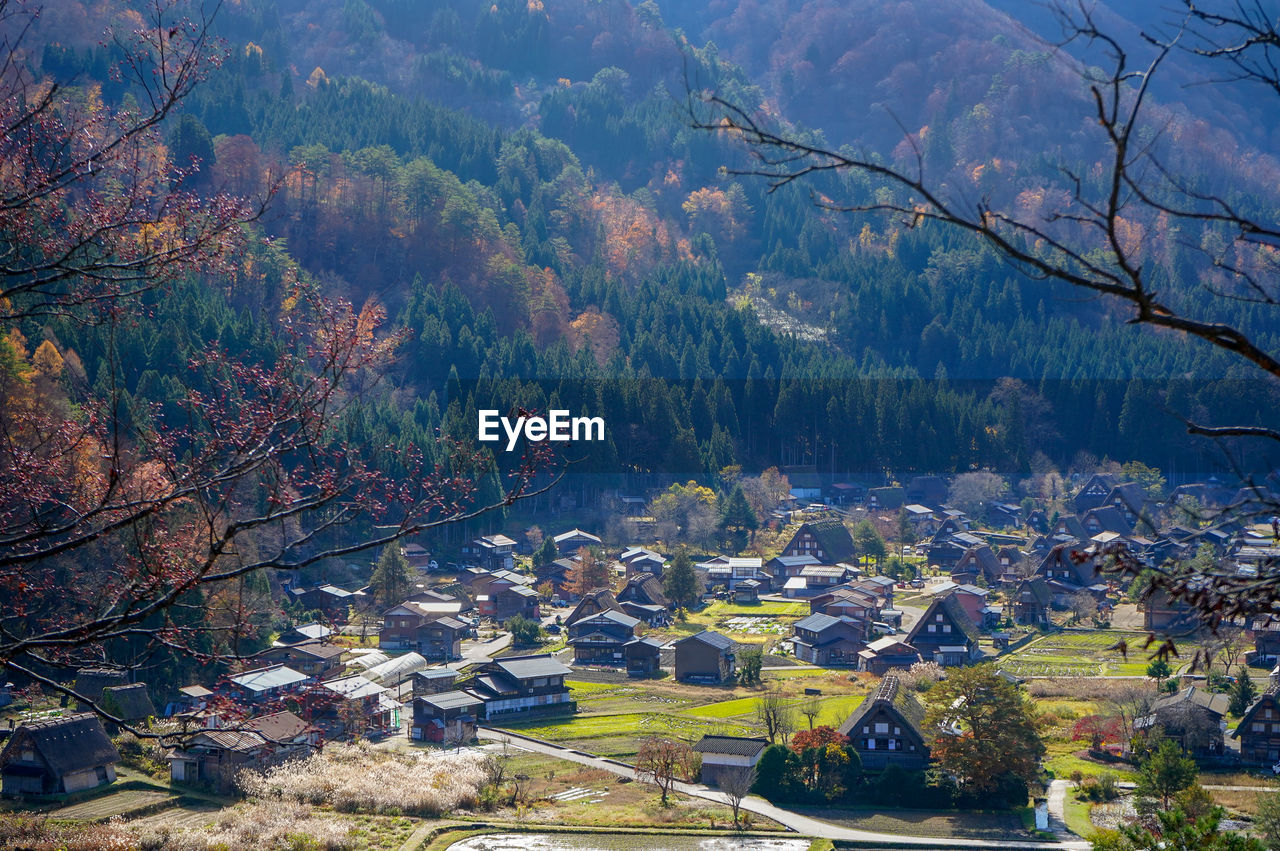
449	716
643	656
747	591
58	756
722	754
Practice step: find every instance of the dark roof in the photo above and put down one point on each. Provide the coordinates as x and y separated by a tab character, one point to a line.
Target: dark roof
644	585
1270	697
832	536
1215	703
91	681
524	667
451	700
621	618
896	696
278	726
70	743
715	639
1110	518
128	703
984	558
954	611
816	622
1038	589
731	745
601	598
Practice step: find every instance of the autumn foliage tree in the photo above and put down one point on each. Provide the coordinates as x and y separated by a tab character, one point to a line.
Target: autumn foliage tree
136	527
986	729
589	573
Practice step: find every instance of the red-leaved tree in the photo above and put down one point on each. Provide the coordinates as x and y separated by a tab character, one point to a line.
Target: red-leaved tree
120	520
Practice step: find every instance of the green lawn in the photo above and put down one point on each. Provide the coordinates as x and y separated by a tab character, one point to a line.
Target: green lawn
725	708
1076	815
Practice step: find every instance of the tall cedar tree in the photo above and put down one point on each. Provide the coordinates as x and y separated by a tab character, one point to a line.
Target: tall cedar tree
390	579
1243	693
736	513
996	729
546	552
681	582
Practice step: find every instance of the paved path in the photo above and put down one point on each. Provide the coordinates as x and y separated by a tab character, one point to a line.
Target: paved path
759	806
476	652
1058	810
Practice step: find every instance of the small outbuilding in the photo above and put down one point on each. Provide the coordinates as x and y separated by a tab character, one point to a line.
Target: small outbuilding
722	754
58	756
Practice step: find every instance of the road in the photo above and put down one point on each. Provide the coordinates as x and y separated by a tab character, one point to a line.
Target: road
475	652
799	823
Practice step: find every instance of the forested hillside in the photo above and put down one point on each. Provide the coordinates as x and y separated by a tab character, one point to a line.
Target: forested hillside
518	185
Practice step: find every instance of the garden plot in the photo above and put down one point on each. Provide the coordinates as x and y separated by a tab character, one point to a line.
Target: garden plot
746	625
119	803
1082	653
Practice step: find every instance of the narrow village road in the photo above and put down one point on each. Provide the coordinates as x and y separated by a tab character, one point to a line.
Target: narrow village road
476	652
799	823
1058	810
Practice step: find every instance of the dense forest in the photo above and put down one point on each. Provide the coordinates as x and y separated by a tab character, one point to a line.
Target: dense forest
518	186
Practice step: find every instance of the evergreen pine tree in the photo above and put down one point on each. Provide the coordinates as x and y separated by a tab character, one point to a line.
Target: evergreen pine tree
1243	694
390	579
680	582
546	552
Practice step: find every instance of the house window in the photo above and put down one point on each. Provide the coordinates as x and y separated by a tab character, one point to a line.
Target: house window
1258	726
937	617
933	627
897	731
946	627
893	744
865	729
871	744
882	728
28	756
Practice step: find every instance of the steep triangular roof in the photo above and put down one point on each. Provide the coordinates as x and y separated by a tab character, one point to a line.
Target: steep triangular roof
832	537
128	703
950	607
68	744
896	697
599	600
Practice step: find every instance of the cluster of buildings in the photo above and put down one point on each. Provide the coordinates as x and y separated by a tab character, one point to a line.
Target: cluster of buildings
306	689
